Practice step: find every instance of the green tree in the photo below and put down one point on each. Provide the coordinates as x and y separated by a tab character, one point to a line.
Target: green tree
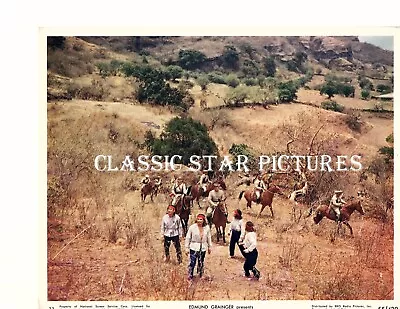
383	88
365	93
173	72
250	68
269	67
329	89
182	136
56	42
191	59
230	57
287	91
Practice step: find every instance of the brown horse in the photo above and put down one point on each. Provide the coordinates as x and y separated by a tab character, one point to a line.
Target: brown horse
183	211
265	199
148	189
345	213
220	219
197	191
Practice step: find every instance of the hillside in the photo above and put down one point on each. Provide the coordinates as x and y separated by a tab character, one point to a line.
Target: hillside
103	242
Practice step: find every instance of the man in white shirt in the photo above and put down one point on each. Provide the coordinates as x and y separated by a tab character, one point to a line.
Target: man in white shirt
171	230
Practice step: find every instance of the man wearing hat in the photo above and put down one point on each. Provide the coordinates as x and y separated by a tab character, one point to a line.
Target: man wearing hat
171	230
145	180
336	203
204	180
178	190
260	186
214	197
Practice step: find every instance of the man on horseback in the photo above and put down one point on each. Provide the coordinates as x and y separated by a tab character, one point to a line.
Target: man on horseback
214	197
145	180
204	181
260	186
336	203
157	183
178	191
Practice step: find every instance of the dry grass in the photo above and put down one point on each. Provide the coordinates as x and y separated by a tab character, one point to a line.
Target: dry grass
120	256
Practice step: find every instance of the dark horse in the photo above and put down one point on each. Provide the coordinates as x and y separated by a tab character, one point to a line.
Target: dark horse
148	189
220	219
265	199
197	191
345	213
183	211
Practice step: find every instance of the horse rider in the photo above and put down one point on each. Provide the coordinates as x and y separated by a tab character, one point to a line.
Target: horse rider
178	191
298	193
260	186
204	181
157	183
245	179
214	197
145	180
336	203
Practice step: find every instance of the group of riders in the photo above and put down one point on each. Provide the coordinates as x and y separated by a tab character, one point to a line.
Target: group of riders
179	190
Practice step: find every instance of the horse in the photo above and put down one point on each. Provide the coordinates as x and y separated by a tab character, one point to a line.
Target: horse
183	211
147	189
197	191
265	198
345	213
220	219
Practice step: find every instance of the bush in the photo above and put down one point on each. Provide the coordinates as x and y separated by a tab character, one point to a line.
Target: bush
250	68
332	105
203	81
230	57
365	83
287	91
55	42
191	59
384	88
232	80
243	149
365	93
216	77
353	121
182	136
173	72
250	81
269	66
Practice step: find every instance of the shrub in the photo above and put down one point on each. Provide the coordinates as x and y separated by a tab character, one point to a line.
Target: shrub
269	66
203	81
216	77
182	136
191	59
243	149
230	57
250	68
250	81
383	88
173	72
287	91
332	105
365	93
232	80
353	121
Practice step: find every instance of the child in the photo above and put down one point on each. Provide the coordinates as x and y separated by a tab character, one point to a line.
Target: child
237	231
250	250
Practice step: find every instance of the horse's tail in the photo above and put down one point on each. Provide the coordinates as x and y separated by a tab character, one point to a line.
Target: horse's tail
240	195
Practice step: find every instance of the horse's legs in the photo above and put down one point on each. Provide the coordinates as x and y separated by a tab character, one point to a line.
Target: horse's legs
223	234
350	228
272	212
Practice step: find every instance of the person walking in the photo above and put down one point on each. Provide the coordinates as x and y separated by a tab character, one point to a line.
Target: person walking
171	231
237	231
197	243
250	250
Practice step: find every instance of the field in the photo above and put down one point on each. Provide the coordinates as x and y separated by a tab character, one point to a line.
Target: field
119	255
103	242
